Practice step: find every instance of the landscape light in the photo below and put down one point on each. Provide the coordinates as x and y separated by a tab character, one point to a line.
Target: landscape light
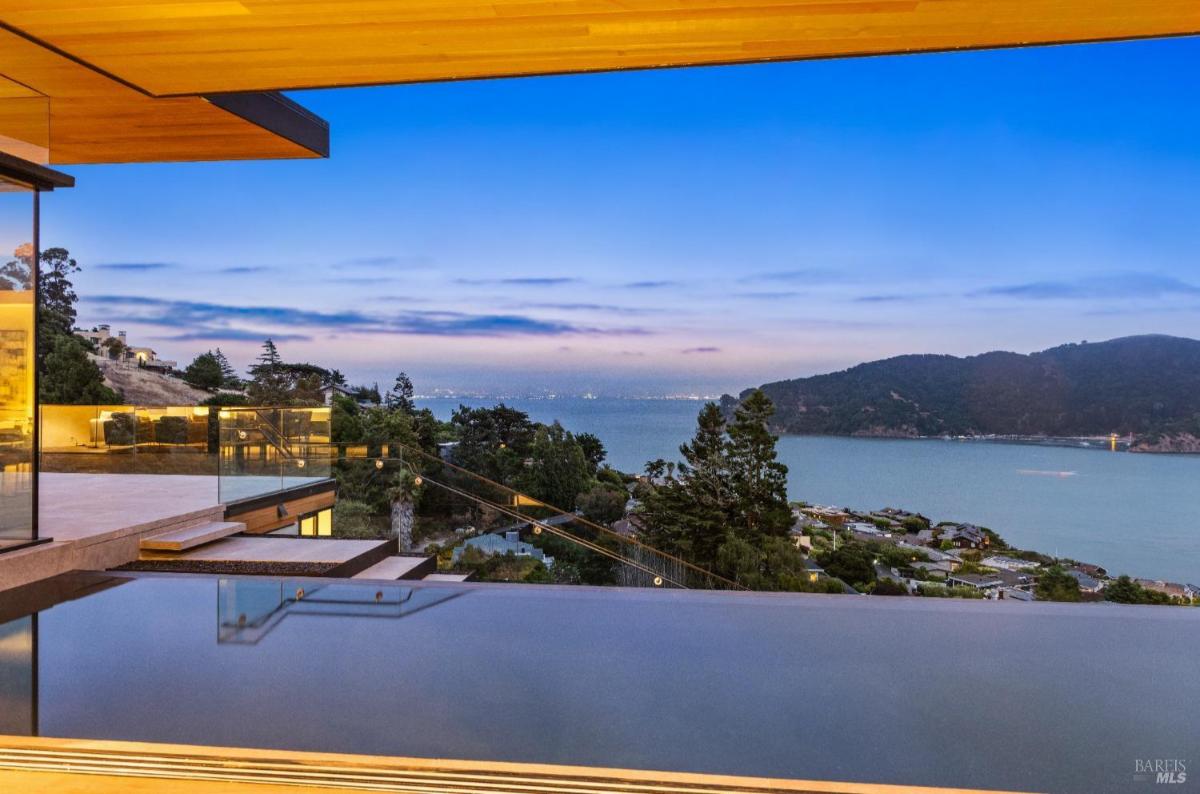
379	463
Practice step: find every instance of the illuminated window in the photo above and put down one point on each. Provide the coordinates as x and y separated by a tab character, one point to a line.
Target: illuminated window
317	524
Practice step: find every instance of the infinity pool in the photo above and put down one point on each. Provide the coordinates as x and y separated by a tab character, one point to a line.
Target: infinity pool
1039	697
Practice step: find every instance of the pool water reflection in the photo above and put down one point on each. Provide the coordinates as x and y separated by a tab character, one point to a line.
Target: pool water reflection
991	695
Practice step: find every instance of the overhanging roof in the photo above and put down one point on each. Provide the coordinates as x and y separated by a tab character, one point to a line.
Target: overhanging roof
174	47
86	81
54	109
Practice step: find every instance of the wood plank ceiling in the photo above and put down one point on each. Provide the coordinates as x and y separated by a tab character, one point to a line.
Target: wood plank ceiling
123	80
171	47
77	115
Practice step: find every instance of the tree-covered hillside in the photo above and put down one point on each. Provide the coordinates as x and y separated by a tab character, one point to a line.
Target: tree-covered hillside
1144	385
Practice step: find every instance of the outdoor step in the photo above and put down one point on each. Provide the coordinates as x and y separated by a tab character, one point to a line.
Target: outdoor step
398	568
447	577
191	537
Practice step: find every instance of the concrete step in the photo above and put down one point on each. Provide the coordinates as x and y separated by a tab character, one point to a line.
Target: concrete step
448	577
191	537
266	555
392	568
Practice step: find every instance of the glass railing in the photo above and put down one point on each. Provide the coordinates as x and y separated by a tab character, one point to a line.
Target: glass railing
129	439
263	451
245	452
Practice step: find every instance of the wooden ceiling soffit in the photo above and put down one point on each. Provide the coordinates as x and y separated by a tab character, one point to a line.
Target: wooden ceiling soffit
188	47
55	110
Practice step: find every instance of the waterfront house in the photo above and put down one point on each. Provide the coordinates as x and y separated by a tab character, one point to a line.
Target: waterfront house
331	390
117	347
1172	589
927	537
979	581
1087	584
491	545
942	568
1005	563
964	536
868	529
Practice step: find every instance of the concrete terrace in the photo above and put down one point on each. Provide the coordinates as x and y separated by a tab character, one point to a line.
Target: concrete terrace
96	521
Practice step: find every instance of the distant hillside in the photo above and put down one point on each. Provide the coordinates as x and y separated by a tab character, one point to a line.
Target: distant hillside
1148	386
146	387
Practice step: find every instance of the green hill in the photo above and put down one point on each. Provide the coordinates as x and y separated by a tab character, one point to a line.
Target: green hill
1145	385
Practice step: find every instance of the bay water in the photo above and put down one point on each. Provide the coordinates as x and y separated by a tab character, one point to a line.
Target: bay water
1131	513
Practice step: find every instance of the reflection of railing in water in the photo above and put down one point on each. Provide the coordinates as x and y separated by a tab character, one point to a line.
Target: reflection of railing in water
249	609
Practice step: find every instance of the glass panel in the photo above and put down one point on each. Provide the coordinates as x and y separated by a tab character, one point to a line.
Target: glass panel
268	450
16	364
128	439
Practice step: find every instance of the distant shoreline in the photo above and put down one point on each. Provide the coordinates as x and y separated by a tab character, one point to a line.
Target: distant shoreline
1094	443
1100	443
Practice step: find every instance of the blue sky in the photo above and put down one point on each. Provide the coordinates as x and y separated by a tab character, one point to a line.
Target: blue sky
693	230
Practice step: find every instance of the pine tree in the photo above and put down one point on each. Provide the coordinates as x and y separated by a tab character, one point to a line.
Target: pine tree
758	479
271	382
204	372
56	294
229	377
400	397
689	514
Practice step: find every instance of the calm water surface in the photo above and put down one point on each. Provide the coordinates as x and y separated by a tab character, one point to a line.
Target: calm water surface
1135	514
1030	697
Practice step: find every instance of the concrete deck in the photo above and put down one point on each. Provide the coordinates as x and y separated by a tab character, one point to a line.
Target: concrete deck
95	521
77	507
273	555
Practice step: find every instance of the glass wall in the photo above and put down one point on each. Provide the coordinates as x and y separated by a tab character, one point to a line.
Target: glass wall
267	450
17	367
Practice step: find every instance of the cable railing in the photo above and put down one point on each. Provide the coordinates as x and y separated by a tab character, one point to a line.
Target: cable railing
499	509
259	447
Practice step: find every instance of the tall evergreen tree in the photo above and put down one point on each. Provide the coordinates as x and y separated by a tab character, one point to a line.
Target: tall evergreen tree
71	378
56	293
400	397
758	479
204	372
229	377
558	471
689	514
270	380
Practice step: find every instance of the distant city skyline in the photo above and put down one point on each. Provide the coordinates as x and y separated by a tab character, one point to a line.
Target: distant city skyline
679	231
